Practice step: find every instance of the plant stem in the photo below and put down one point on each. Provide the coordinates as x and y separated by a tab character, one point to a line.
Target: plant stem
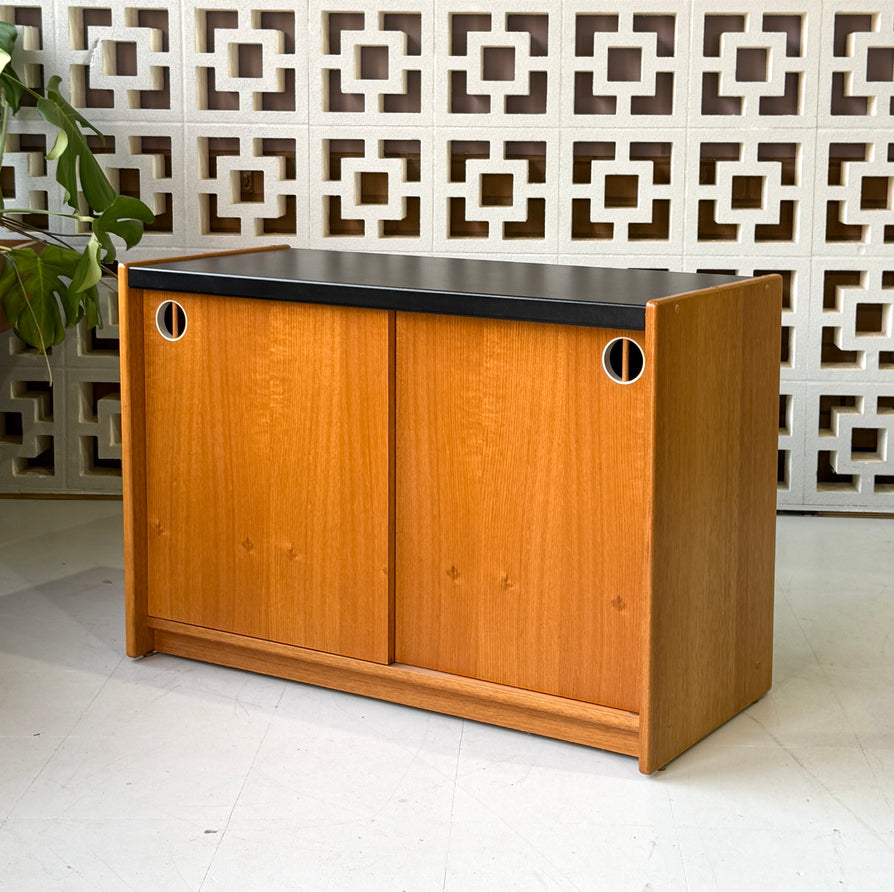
31	232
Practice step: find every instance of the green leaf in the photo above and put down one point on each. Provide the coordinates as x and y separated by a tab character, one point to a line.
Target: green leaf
71	114
34	287
8	35
59	146
90	300
89	270
46	291
124	217
10	82
76	163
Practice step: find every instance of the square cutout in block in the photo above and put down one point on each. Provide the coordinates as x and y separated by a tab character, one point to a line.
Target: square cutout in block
374	63
828	479
867	444
875	193
498	63
871	320
880	64
373	187
496	190
752	65
621	191
748	192
625	63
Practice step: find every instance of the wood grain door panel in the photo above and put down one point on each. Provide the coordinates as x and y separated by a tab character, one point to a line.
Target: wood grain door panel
521	508
268	492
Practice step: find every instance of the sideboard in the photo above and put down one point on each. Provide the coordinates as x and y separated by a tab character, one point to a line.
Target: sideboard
534	495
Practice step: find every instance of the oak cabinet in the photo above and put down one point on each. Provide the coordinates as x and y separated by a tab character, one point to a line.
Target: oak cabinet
536	496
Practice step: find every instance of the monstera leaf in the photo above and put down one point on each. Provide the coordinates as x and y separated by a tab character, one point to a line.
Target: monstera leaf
47	290
11	85
75	160
124	217
38	297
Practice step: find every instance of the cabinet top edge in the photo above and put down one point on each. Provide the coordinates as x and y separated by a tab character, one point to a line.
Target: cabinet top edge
539	292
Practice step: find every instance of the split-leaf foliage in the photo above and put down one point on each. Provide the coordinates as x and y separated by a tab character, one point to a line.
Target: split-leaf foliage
46	284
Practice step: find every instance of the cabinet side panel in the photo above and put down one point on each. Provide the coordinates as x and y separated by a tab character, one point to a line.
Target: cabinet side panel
268	497
133	471
521	507
716	383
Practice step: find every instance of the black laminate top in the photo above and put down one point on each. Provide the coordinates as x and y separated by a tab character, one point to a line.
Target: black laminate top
499	289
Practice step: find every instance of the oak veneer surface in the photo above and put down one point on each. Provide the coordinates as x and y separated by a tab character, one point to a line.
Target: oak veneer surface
714	363
268	497
134	470
573	720
521	507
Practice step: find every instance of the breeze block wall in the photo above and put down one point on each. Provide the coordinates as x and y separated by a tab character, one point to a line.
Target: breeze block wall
664	134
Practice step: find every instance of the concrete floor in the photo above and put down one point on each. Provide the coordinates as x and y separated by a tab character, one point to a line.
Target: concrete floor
166	774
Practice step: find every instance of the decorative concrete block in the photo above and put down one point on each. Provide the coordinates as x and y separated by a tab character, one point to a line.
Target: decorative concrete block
855	79
852	321
118	60
854	186
31	426
245	63
496	190
621	193
754	66
850	430
247	184
373	66
625	65
749	192
500	67
371	188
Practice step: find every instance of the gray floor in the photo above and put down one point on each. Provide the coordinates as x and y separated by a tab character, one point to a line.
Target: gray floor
165	774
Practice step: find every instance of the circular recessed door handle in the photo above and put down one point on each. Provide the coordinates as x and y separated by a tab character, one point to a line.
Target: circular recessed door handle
623	360
170	320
